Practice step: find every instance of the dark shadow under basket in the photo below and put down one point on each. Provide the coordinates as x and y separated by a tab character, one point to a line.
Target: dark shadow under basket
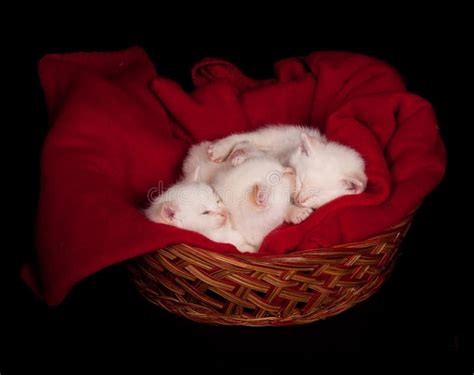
294	288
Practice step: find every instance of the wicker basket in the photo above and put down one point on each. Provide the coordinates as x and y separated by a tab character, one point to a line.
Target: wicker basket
294	288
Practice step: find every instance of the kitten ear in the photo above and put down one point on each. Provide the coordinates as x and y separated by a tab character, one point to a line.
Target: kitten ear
196	174
260	195
355	184
166	212
289	172
306	147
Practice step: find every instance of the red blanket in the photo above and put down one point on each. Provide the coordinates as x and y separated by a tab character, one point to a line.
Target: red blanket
118	133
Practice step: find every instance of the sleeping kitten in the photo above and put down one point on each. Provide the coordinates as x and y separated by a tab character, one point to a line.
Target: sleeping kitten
197	160
257	194
195	206
324	170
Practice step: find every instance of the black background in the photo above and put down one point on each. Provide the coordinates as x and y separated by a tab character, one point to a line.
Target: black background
422	307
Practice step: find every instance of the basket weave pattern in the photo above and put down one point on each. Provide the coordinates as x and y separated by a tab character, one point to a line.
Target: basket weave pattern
294	288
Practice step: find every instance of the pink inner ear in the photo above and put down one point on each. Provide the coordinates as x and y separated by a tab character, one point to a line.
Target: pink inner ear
289	171
260	195
306	147
354	185
167	212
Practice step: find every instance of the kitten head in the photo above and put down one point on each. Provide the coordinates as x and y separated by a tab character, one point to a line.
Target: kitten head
325	171
189	205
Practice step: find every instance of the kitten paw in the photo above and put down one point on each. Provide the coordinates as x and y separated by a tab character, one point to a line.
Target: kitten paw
298	214
217	152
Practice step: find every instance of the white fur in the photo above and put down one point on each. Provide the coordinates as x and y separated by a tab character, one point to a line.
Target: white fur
198	167
257	194
195	206
324	170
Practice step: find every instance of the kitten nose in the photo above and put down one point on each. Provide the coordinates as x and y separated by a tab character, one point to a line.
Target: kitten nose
222	213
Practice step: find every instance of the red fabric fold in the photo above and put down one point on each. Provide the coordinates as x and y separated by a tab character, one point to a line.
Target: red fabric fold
119	135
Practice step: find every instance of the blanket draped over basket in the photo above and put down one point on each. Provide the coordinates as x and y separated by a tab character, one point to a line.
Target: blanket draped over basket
119	133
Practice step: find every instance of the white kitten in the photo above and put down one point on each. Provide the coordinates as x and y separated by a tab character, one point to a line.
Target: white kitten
324	170
195	206
257	194
198	167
